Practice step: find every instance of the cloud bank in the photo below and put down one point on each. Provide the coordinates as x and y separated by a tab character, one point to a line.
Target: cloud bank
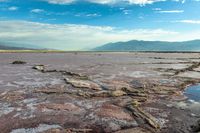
189	21
137	2
170	11
72	36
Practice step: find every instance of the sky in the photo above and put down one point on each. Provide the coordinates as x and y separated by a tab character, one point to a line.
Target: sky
86	24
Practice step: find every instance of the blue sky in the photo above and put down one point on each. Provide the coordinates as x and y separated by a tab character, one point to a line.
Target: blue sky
82	24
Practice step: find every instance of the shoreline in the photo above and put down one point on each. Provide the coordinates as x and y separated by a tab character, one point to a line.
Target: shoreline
63	51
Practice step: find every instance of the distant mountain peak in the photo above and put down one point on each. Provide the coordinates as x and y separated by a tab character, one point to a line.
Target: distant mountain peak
139	45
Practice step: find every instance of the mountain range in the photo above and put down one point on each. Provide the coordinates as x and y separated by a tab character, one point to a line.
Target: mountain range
133	45
136	45
3	47
14	46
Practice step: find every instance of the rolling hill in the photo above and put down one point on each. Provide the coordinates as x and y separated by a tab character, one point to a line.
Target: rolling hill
136	45
14	46
2	47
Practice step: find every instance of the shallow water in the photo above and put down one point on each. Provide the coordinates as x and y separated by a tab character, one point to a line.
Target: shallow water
193	92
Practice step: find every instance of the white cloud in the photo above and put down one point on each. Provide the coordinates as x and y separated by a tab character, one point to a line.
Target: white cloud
189	21
103	1
143	2
59	1
170	11
156	9
183	1
37	10
73	37
126	12
13	8
93	15
89	15
137	2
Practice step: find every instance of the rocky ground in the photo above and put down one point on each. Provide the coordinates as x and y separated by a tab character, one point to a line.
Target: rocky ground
98	92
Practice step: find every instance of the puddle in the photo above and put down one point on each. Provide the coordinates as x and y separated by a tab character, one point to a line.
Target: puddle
193	102
193	92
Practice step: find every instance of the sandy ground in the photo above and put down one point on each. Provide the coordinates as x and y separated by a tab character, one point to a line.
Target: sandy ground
98	92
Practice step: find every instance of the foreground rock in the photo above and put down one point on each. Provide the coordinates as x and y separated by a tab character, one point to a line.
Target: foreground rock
18	62
108	110
83	84
143	117
196	128
71	130
134	130
74	75
57	89
39	68
61	107
124	93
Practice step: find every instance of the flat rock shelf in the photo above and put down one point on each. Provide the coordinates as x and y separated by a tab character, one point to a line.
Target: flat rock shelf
99	92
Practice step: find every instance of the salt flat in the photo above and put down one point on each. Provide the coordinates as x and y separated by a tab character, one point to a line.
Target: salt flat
97	92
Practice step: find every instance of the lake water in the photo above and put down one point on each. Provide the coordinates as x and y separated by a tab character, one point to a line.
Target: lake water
193	92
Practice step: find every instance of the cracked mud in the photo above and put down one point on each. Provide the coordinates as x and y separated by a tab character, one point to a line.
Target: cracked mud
98	93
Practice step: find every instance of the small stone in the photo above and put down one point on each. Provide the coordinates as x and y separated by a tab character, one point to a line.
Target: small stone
13	96
54	131
144	116
132	90
112	111
117	84
118	93
193	115
196	127
137	84
39	67
51	90
135	103
101	94
133	130
75	75
18	62
61	107
83	84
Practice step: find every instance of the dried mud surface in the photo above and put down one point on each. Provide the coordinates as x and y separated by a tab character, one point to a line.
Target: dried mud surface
98	92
